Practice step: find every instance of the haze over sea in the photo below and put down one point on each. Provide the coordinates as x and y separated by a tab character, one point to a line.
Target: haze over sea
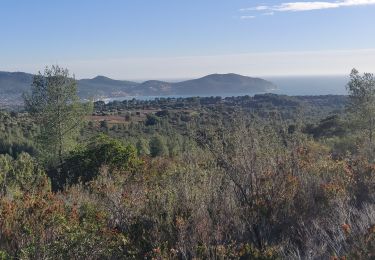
310	85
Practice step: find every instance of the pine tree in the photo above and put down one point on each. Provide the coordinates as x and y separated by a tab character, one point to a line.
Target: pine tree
362	100
361	105
158	146
56	108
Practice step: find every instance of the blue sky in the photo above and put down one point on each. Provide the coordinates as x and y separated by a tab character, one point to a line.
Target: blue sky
139	39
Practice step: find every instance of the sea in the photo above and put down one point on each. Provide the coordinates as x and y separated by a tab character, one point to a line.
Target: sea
310	85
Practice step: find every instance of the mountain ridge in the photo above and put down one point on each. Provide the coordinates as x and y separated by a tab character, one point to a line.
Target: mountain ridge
104	87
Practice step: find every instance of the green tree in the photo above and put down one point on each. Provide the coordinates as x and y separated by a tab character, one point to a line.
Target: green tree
55	106
361	105
151	120
22	174
143	147
158	146
84	163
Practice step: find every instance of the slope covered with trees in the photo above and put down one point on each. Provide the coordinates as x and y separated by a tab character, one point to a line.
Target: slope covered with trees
263	177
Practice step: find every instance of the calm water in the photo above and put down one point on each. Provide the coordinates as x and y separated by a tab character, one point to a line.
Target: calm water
310	85
291	86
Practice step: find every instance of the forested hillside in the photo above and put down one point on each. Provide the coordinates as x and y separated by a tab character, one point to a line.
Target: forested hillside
14	84
263	177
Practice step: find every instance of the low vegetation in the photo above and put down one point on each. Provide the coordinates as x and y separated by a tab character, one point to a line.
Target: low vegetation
263	177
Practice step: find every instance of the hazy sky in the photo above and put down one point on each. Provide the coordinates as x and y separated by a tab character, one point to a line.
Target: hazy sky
139	39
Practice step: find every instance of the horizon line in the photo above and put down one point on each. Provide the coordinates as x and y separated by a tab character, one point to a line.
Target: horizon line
259	64
197	77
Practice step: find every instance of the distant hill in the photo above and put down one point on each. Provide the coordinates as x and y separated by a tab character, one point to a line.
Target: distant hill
101	86
223	84
216	84
15	83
